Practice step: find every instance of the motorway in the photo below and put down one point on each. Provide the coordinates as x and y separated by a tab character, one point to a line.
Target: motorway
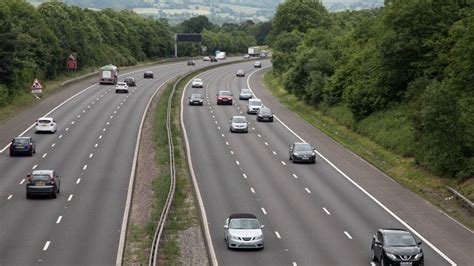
313	214
93	151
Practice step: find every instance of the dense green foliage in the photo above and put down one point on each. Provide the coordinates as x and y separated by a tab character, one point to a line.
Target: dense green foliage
405	73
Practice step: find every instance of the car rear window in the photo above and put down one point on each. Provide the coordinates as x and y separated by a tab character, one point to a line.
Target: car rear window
44	121
40	177
21	141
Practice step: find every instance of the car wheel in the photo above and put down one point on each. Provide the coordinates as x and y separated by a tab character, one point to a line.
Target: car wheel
55	194
31	153
382	260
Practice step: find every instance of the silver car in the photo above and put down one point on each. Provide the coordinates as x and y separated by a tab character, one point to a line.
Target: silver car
254	105
239	124
46	124
121	87
242	230
197	83
245	94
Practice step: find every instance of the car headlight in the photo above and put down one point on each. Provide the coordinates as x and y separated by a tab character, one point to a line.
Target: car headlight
296	154
419	256
391	256
259	237
234	237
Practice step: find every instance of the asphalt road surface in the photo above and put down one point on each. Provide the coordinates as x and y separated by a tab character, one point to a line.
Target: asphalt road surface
314	214
92	151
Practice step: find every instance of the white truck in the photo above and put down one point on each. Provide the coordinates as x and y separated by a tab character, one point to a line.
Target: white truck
254	51
220	56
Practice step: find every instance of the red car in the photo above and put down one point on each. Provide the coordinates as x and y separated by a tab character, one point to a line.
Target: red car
224	97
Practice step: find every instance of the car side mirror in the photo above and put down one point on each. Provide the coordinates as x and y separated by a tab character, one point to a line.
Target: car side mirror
419	243
377	242
217	94
28	175
262	226
226	226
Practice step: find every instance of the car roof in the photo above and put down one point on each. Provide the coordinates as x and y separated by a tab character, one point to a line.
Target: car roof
42	172
129	78
22	138
45	117
255	100
121	83
301	143
242	215
196	95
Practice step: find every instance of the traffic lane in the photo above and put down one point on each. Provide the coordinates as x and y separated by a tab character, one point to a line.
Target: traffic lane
45	215
285	199
223	188
445	233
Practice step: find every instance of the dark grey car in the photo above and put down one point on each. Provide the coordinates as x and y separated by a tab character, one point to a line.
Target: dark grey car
302	152
43	183
265	114
195	99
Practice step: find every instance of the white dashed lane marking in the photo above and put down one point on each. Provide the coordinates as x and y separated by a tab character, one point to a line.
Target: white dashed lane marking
52	145
72	123
244	175
22	181
326	211
46	245
104	129
222	135
232	152
282	162
347	234
253	190
100	137
70	197
34	166
67	129
85	167
237	162
264	211
44	155
60	136
259	135
227	143
59	219
90	155
274	152
95	146
9	197
295	176
307	190
111	116
78	181
277	234
266	143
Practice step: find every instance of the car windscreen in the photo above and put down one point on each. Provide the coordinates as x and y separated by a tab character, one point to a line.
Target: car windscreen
44	121
245	91
20	141
197	80
303	147
399	240
40	177
196	96
265	112
255	103
244	224
224	93
239	120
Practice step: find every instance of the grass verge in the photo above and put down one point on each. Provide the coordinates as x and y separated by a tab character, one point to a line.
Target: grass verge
402	169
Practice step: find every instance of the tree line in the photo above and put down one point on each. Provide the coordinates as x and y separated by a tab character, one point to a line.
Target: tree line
409	67
35	42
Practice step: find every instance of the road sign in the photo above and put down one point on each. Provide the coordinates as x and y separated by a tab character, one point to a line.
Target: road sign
71	62
36	87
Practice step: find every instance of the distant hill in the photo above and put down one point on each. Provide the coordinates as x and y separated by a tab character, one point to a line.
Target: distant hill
218	11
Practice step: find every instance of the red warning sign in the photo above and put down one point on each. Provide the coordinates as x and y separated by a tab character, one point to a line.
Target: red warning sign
36	87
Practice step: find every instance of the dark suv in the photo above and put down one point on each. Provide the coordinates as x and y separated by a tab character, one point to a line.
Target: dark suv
396	247
130	81
148	75
22	145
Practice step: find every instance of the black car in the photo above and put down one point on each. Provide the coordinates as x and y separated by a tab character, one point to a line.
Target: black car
22	145
191	62
396	247
265	114
148	75
42	183
195	99
302	152
213	59
130	81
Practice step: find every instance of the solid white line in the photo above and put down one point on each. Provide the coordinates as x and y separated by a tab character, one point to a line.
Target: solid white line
59	219
237	162
34	166
52	145
264	211
90	155
85	167
78	181
328	213
347	234
245	176
232	152
9	197
253	190
70	197
277	234
282	162
60	136
295	176
361	188
274	152
46	246
22	181
307	190
44	155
